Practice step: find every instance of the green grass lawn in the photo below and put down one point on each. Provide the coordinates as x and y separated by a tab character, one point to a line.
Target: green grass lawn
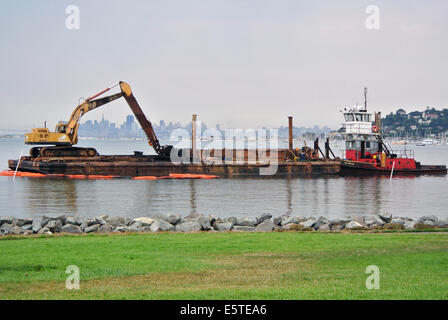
287	265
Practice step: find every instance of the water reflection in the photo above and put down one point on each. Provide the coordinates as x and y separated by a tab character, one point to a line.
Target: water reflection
334	197
325	197
54	195
288	196
193	196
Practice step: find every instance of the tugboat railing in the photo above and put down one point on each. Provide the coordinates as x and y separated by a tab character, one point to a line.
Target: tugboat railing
409	154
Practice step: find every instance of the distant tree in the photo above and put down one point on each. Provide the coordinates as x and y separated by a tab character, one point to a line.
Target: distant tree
400	123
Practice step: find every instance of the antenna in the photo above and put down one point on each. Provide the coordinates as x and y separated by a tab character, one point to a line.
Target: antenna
365	98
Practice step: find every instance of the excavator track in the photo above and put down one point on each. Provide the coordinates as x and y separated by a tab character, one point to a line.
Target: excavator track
63	151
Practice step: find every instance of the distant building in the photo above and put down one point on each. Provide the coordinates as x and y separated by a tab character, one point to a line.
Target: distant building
429	115
414	115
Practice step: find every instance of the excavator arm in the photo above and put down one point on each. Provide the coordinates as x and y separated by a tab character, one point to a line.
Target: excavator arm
144	122
126	92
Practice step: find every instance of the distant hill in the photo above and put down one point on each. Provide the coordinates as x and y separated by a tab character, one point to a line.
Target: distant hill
416	123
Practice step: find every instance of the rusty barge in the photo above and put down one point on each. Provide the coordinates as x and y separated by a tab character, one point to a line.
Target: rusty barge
151	165
54	152
131	166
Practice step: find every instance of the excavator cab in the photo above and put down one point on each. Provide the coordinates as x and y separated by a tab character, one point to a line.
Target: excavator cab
61	127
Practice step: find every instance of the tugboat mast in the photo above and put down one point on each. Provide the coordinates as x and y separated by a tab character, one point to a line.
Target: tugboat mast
365	99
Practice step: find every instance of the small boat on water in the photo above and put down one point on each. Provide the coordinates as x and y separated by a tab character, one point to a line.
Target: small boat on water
366	151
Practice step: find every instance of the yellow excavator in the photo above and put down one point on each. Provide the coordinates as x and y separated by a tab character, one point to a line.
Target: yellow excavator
60	143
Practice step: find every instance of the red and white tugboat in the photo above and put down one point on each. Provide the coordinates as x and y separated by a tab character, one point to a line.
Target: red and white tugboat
366	152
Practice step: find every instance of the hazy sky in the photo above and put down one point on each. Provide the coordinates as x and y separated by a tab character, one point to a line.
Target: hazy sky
240	63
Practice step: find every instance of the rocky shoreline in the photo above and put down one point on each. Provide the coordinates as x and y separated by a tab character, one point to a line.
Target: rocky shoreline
198	222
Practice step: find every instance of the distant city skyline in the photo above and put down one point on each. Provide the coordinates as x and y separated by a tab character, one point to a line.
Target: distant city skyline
131	129
179	124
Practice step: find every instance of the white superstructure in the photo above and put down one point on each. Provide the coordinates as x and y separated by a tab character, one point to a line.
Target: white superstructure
357	121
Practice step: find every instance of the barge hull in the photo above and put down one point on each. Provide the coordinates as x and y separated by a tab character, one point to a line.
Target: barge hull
134	166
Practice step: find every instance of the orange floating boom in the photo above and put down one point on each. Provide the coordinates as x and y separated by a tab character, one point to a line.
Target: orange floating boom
145	178
10	173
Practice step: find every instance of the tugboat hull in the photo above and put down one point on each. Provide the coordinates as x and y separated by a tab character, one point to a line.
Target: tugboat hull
349	167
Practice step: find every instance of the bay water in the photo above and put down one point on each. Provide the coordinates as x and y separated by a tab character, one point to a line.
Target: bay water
326	196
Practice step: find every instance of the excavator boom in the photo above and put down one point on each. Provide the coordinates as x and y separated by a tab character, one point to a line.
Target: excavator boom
85	107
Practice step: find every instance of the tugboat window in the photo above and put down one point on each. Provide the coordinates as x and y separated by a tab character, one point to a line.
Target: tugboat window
359	117
349	117
350	145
